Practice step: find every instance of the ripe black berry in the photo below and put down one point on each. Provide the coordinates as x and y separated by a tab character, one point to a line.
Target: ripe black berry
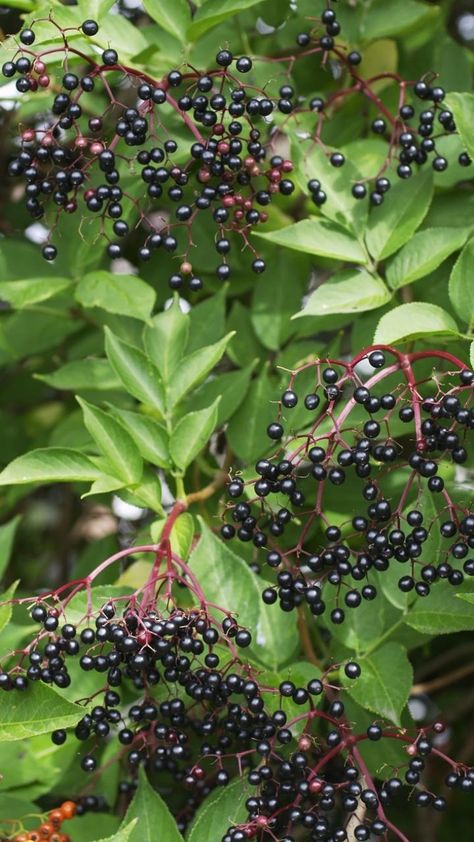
27	37
90	27
109	57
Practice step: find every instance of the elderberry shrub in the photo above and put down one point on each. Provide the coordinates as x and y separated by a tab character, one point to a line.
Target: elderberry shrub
128	161
393	429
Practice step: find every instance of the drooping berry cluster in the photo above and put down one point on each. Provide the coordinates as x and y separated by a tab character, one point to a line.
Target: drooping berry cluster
75	163
78	164
408	146
392	427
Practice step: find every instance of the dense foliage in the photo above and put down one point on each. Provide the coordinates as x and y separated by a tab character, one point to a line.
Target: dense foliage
236	342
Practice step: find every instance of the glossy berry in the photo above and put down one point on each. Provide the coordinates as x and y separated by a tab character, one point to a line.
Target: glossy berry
109	57
90	27
27	37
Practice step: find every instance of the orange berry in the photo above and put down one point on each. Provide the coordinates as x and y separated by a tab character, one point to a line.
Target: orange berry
46	830
55	816
68	809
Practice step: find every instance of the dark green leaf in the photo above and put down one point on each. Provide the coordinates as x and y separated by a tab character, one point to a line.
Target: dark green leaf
395	222
231	388
7	537
385	682
247	427
275	300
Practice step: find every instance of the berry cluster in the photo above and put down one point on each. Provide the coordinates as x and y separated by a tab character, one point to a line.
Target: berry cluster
394	437
50	830
407	146
75	163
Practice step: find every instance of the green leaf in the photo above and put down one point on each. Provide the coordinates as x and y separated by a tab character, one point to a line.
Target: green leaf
191	434
215	11
49	464
139	377
318	236
95	9
165	340
247	427
173	15
6	609
349	291
462	106
147	494
393	18
193	369
461	286
385	682
423	253
124	833
245	346
7	537
181	536
123	294
415	320
114	442
228	581
151	811
82	375
37	711
275	637
34	331
149	436
24	293
274	300
312	162
467	597
231	388
207	320
395	222
442	612
222	808
471	354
